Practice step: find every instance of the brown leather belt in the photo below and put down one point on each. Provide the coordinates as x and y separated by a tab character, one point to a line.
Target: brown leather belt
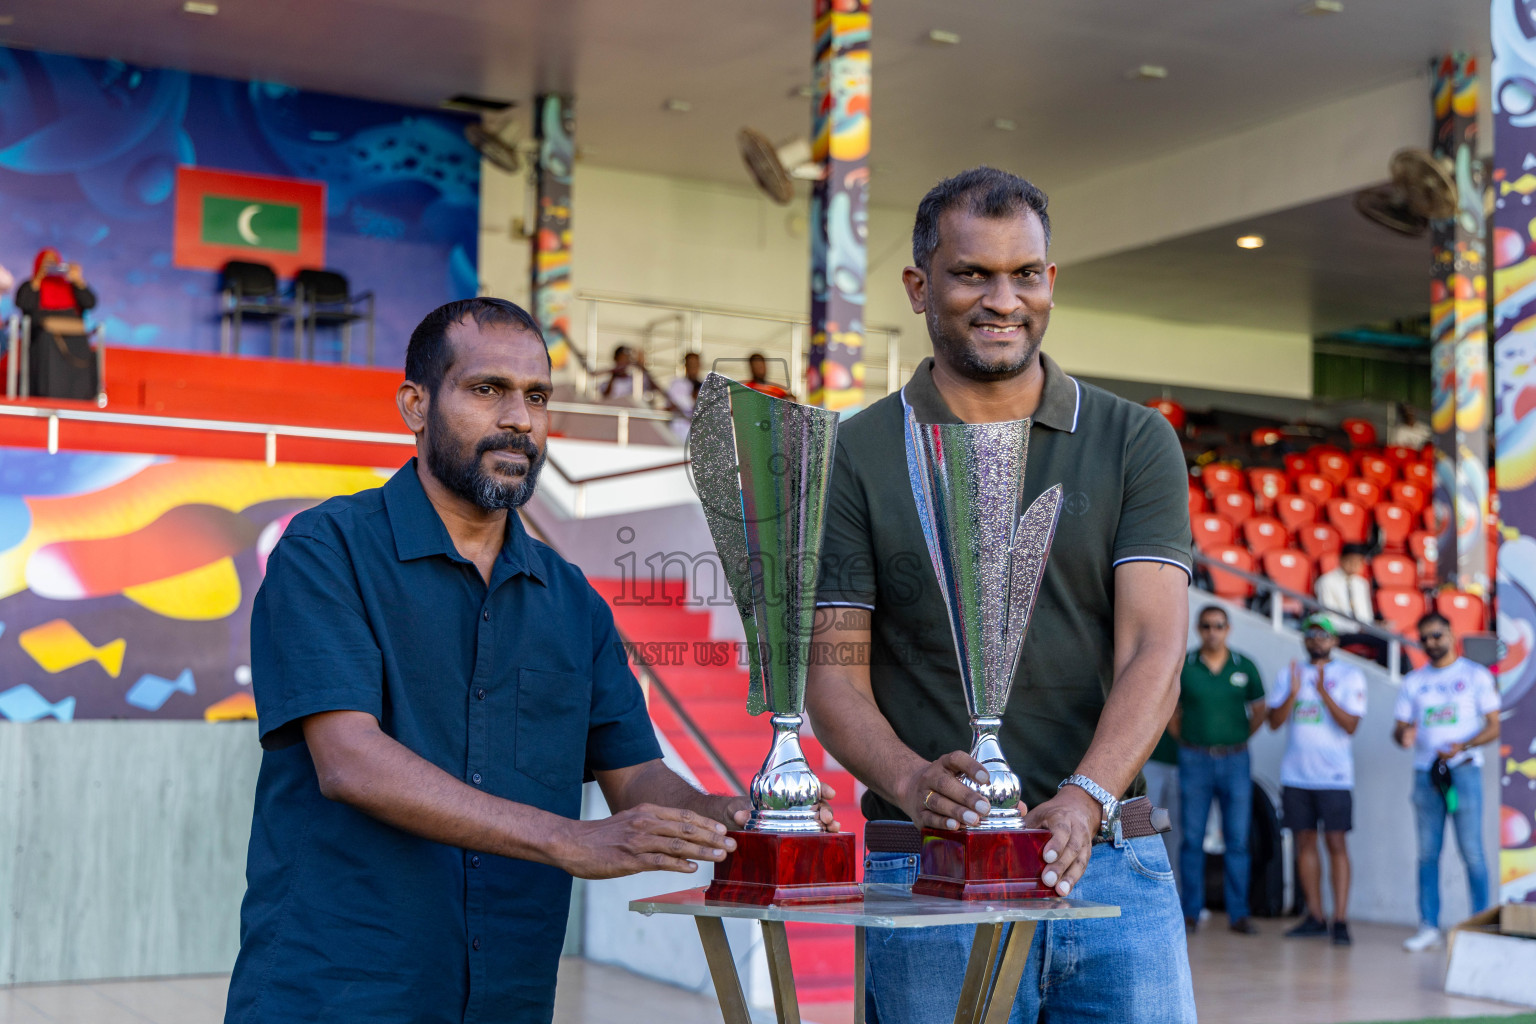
1237	748
1138	818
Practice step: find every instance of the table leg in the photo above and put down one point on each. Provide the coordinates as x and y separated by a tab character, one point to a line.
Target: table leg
1005	984
858	975
978	974
722	969
785	1004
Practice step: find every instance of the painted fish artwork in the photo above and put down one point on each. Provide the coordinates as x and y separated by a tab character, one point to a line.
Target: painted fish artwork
152	691
58	645
24	704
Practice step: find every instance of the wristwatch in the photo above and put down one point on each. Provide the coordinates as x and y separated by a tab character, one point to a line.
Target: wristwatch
1109	825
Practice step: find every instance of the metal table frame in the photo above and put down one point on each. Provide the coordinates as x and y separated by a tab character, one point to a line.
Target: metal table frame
991	980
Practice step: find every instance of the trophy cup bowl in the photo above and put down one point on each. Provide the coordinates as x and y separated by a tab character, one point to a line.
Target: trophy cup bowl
761	466
968	481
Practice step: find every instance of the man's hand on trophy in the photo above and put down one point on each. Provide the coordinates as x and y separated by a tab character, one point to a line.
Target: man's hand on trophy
736	811
643	838
1073	818
937	796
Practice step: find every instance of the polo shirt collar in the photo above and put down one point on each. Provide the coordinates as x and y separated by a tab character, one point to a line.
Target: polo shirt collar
1061	397
420	532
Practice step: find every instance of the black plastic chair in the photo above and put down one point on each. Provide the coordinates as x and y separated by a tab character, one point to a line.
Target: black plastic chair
249	289
325	297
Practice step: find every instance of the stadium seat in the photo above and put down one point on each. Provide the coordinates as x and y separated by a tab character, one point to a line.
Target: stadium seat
1348	517
1394	571
1421	473
1264	533
1294	511
1211	531
1377	470
1334	466
1172	411
1395	523
1315	487
1464	610
1424	546
1235	506
1401	607
1225	584
1400	456
1361	433
1409	494
1267	484
1197	502
1327	562
1361	491
1264	437
1317	539
1296	464
1292	570
1219	477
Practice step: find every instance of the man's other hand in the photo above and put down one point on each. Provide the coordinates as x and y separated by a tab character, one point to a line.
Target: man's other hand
1073	818
643	838
937	797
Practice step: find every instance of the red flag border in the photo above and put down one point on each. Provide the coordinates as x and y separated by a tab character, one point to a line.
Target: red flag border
191	252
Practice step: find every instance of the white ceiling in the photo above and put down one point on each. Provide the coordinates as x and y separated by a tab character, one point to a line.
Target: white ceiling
1056	67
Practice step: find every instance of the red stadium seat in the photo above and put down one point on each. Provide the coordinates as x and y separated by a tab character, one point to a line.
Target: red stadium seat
1315	488
1395	523
1465	611
1334	466
1291	569
1348	517
1361	433
1377	470
1265	436
1197	502
1267	484
1172	411
1235	506
1361	491
1424	546
1394	571
1401	607
1297	464
1211	531
1294	511
1327	562
1317	539
1264	533
1225	584
1421	473
1400	456
1219	477
1409	494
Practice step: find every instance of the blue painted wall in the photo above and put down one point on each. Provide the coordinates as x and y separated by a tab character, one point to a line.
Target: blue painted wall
88	155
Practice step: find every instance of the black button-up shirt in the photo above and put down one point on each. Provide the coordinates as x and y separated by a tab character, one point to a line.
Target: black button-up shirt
519	688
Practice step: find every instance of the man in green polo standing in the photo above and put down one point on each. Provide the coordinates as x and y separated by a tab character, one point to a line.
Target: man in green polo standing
1221	704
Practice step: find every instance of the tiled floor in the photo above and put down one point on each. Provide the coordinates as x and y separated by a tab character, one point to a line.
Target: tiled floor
1263	979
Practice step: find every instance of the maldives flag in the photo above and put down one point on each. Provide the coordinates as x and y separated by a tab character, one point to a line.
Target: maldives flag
224	215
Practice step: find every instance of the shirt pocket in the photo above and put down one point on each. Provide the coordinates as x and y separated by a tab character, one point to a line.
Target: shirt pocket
553	709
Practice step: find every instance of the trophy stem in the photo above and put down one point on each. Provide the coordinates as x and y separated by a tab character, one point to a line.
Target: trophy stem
1002	790
785	790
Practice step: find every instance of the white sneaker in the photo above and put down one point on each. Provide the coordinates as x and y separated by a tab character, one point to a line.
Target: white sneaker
1425	938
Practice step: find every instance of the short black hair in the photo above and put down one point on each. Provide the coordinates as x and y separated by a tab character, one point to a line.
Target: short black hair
428	355
1218	609
1429	617
985	192
1363	550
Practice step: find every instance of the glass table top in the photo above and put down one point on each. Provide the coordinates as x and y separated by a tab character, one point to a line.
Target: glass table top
883	906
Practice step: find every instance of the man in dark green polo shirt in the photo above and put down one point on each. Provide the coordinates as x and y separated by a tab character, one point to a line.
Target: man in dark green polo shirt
1096	680
1221	704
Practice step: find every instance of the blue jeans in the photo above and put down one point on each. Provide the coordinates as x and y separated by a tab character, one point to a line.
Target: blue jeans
1226	779
1131	969
1429	810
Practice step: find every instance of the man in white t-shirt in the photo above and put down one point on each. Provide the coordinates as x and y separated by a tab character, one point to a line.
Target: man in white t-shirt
1445	711
1318	771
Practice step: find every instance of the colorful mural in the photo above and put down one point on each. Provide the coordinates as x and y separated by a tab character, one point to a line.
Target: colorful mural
1514	411
1459	332
126	580
840	131
89	152
555	119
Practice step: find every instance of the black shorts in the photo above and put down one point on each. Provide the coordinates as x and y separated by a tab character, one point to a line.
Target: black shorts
1302	809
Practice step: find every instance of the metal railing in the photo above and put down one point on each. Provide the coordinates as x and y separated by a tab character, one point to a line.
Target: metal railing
1278	595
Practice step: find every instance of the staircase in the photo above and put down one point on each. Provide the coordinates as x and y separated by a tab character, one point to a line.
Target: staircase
715	698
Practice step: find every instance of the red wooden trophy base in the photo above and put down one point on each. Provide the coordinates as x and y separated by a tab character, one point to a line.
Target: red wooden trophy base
971	865
788	869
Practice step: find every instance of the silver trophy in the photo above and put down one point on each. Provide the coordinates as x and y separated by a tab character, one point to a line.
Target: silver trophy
761	466
968	482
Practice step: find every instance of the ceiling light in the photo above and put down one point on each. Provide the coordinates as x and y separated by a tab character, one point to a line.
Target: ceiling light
1322	7
198	7
1148	72
1250	242
938	35
678	106
1004	124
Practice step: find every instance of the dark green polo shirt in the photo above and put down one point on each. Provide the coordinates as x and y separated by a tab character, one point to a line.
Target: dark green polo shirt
1214	705
1125	500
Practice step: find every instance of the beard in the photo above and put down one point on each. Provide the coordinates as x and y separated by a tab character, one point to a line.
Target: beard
461	473
955	343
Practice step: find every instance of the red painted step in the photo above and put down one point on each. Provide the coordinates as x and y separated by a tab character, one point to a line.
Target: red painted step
673	637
